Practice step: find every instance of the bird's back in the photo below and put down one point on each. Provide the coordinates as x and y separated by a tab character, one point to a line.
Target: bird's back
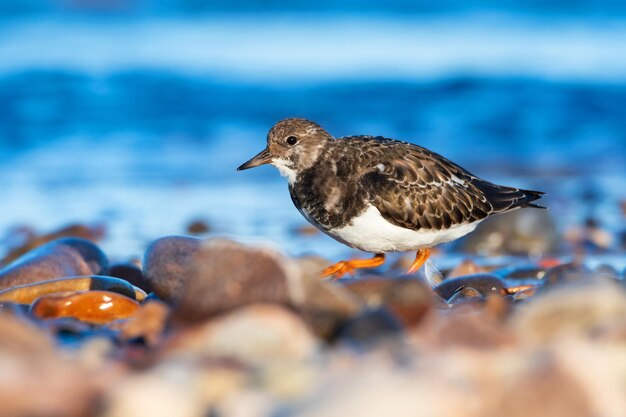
411	186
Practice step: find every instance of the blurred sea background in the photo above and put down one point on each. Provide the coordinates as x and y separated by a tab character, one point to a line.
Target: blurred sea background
135	114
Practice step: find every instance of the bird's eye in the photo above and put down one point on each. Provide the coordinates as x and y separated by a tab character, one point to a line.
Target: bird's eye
292	140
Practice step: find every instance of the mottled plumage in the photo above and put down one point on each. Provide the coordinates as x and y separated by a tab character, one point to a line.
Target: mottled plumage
411	186
352	181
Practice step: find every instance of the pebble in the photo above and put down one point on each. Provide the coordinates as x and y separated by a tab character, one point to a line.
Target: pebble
256	334
198	227
589	237
36	378
26	294
467	325
485	284
520	272
607	271
466	267
147	324
306	230
95	307
30	240
168	264
21	337
543	389
324	305
571	311
153	395
564	274
225	275
465	294
67	257
408	299
520	232
131	273
369	329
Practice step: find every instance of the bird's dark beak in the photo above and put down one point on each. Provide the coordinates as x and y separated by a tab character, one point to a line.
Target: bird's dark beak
262	158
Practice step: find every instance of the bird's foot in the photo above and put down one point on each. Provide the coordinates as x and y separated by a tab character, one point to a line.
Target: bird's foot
421	257
341	268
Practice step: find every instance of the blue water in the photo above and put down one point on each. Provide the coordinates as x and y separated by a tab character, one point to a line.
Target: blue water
137	116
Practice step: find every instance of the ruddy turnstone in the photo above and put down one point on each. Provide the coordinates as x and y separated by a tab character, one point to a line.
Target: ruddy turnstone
381	195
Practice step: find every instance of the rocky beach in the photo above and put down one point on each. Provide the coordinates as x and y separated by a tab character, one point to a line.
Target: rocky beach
142	276
207	326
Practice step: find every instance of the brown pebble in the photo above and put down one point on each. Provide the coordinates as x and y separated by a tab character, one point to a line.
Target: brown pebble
466	294
149	323
168	264
466	267
67	257
408	299
485	284
306	230
225	275
258	334
198	227
466	325
543	390
96	307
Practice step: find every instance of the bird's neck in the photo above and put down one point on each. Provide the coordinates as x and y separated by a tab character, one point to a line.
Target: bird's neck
285	167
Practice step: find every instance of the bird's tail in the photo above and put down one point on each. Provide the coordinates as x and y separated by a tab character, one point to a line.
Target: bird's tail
508	198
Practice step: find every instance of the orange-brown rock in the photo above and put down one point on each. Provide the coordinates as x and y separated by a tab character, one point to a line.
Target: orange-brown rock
26	294
149	323
96	307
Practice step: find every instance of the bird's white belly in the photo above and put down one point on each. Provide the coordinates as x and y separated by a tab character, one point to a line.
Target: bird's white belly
372	233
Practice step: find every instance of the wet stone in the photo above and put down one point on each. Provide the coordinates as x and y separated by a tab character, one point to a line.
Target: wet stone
26	294
168	263
95	307
324	305
67	257
520	272
607	271
466	267
524	294
566	274
542	389
523	232
408	299
483	283
578	310
198	227
469	324
148	324
226	275
369	328
131	273
257	334
465	294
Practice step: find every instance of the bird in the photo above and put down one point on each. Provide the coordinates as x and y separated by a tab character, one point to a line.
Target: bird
381	195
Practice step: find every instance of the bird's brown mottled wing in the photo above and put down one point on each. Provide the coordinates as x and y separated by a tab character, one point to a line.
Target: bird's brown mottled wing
418	189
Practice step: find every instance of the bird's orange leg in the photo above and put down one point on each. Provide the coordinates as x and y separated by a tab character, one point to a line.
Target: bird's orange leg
420	258
344	267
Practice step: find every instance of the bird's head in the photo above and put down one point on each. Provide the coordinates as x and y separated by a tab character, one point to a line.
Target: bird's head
293	145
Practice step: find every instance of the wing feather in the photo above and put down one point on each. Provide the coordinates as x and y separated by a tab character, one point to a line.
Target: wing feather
415	188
